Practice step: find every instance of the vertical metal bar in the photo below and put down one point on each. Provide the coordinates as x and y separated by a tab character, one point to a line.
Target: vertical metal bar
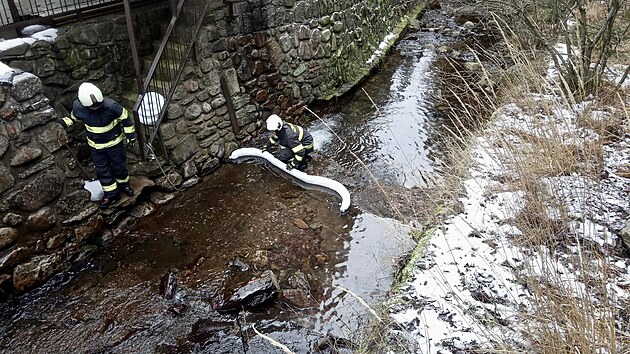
173	7
14	11
139	129
136	64
132	42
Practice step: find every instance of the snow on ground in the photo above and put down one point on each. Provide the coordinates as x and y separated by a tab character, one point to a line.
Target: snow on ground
465	292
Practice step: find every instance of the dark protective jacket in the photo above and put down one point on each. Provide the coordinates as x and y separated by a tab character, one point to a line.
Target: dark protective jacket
106	126
294	137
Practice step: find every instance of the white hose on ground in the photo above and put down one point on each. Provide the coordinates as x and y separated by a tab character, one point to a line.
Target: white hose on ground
327	183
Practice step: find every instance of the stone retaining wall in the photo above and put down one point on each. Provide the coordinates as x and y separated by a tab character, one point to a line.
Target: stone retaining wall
273	57
267	57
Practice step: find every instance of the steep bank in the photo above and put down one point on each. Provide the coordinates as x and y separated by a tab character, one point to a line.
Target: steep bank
532	256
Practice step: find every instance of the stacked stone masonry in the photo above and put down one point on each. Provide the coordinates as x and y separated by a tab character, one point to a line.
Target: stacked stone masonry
257	58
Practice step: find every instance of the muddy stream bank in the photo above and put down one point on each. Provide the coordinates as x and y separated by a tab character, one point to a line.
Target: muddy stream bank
247	248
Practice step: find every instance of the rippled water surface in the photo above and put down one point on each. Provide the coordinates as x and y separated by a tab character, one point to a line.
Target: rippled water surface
244	220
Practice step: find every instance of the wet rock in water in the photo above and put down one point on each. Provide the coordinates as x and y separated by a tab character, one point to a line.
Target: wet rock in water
473	66
138	184
415	25
177	309
298	280
168	284
106	237
259	291
161	198
190	182
261	257
300	224
296	297
332	342
215	337
95	226
38	270
13	256
5	285
444	49
242	266
320	259
142	209
85	252
299	290
434	5
170	182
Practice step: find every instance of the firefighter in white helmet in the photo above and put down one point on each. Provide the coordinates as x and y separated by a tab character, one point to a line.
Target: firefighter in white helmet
294	142
107	124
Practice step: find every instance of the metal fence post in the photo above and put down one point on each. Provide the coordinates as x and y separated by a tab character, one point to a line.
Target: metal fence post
136	64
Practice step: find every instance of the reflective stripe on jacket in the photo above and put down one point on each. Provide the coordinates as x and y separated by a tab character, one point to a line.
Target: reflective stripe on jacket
106	126
294	137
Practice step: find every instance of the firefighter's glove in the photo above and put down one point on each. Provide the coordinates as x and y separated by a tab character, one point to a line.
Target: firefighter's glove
131	142
290	166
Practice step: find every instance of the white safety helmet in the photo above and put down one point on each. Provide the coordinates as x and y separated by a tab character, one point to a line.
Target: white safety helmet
274	122
90	96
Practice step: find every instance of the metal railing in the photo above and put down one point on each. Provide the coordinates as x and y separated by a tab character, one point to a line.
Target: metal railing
21	13
166	70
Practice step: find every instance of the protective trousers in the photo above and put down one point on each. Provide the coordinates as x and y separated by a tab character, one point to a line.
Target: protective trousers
285	155
111	168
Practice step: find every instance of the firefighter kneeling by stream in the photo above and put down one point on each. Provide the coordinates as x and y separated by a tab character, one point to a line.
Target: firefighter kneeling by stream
107	124
294	143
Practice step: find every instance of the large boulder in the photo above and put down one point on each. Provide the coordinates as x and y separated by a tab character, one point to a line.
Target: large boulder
257	292
35	272
53	138
93	227
25	86
41	190
74	201
25	154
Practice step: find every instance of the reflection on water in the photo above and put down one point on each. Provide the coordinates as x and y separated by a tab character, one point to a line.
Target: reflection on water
240	221
393	138
373	247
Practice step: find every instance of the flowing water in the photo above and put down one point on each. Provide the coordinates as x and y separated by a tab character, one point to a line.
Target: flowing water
158	287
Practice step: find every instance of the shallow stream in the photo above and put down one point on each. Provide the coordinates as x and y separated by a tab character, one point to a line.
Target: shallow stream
158	287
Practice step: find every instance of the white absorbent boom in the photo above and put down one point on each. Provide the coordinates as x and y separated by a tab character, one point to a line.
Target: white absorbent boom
320	181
